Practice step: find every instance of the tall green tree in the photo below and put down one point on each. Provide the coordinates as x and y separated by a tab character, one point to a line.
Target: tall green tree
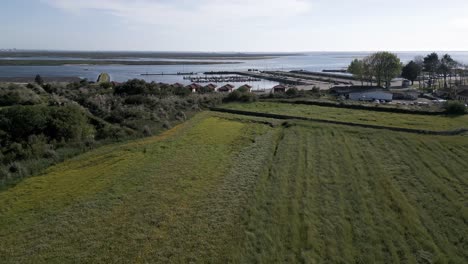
357	69
385	67
446	67
39	80
419	60
411	71
431	64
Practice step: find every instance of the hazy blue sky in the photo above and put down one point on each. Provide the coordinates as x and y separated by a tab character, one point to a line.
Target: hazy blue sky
235	25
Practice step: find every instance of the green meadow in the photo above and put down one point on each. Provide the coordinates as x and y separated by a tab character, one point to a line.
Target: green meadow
436	123
224	188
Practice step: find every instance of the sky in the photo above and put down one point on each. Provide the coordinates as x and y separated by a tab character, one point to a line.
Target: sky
235	25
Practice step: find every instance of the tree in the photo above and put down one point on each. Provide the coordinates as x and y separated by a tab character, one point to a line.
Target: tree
411	71
357	69
419	60
368	70
39	80
431	64
446	66
385	66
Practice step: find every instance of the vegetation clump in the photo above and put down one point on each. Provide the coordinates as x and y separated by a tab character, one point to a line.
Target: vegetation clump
455	108
42	124
240	96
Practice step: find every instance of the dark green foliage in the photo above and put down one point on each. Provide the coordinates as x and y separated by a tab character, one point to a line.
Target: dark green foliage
56	123
181	91
454	108
205	90
106	85
292	92
18	95
431	63
411	71
76	117
243	89
132	87
237	96
39	80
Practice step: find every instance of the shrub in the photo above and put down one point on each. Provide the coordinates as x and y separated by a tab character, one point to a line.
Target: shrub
147	131
39	80
59	123
105	85
132	87
454	108
237	96
18	95
291	92
182	91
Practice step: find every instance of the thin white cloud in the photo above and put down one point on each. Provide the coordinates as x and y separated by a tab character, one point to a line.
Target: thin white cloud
196	13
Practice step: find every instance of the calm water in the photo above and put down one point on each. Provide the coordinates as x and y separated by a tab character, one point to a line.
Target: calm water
316	61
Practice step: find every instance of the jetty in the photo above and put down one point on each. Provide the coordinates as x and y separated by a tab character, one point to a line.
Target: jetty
162	73
221	79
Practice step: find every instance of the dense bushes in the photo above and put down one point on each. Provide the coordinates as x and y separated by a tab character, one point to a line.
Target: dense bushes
18	95
34	137
239	96
454	108
56	123
69	119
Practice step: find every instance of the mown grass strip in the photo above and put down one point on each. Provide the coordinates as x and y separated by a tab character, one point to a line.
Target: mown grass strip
392	128
409	121
162	199
347	195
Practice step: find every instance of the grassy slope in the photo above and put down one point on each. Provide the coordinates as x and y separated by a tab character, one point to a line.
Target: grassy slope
221	190
358	116
167	198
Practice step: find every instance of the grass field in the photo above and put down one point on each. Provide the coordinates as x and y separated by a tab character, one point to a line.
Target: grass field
436	123
223	188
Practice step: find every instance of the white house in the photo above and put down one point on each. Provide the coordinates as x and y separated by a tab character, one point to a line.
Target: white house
363	93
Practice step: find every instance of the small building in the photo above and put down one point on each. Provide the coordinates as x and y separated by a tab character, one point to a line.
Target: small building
279	89
462	96
211	87
194	87
245	87
362	93
226	88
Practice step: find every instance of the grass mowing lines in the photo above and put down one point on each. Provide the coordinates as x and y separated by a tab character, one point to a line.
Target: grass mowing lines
144	208
224	188
436	123
341	195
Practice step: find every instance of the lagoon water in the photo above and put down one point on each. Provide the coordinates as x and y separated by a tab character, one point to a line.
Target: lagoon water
314	61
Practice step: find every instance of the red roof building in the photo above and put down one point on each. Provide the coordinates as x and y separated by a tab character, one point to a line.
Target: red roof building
211	87
226	88
279	89
194	87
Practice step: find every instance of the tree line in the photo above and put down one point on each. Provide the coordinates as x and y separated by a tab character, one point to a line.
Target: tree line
382	67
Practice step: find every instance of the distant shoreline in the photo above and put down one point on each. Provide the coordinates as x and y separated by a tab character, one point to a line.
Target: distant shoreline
65	79
104	62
